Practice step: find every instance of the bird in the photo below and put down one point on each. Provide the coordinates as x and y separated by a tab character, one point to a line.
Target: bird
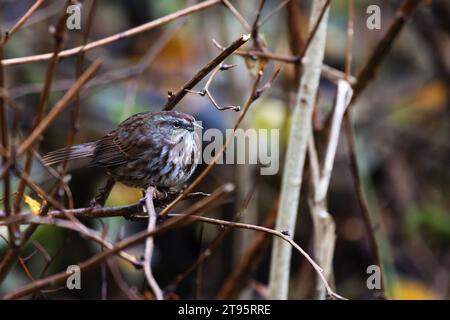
150	149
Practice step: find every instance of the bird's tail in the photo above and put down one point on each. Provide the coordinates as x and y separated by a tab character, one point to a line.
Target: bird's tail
85	150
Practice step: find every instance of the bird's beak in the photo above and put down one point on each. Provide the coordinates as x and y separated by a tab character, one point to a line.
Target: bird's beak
197	125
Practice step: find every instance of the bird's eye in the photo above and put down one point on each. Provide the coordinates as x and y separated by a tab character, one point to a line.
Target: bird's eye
177	124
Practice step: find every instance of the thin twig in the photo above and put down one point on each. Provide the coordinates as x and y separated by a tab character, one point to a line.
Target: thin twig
39	284
174	98
148	253
76	108
116	37
75	224
255	27
42	15
12	252
59	107
120	281
350	35
272	13
328	72
364	77
25	269
63	179
239	278
4	131
324	226
315	27
206	91
252	98
383	47
130	241
362	201
42	250
31	255
58	36
238	16
86	232
211	247
28	143
130	211
296	36
20	23
143	64
344	94
279	234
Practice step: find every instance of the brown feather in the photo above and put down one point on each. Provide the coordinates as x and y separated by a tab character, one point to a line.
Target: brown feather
84	150
111	151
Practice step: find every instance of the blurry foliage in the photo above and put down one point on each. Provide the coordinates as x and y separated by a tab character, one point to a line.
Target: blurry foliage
431	223
411	289
422	103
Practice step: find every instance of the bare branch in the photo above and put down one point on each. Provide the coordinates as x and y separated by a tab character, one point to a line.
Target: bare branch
128	242
324	226
252	98
131	211
206	91
58	36
152	216
86	232
20	23
296	150
238	16
241	274
328	72
4	147
279	234
383	47
273	12
116	37
173	99
59	107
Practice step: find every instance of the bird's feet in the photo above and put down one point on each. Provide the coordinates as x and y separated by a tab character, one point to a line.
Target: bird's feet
100	199
95	203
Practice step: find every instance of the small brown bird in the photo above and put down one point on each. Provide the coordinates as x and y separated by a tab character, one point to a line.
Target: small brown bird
158	149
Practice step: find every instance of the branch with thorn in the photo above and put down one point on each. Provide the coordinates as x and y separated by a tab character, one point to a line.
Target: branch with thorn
174	98
207	92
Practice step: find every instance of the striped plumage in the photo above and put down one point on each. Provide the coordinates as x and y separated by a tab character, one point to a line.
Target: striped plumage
159	149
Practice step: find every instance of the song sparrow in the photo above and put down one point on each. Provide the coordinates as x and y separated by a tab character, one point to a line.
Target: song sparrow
158	149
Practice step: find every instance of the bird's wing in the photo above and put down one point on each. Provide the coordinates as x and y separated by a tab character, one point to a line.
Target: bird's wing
124	144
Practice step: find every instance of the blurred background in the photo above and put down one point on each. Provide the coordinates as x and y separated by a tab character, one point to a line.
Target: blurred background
402	133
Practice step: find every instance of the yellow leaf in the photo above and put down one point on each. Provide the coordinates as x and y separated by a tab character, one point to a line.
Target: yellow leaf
121	195
34	205
427	100
411	289
431	97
